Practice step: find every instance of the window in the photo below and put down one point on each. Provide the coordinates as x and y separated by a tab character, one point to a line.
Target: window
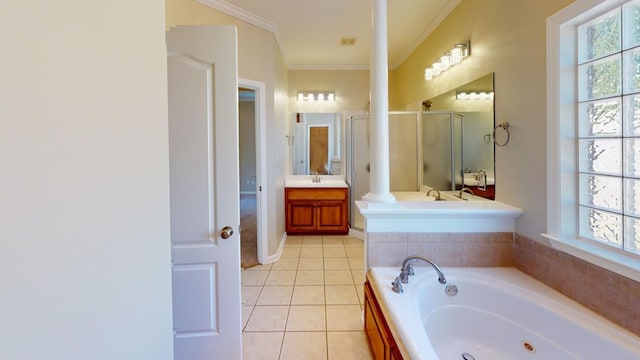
608	82
594	133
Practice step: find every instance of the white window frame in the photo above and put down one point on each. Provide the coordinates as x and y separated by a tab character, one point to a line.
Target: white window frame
562	178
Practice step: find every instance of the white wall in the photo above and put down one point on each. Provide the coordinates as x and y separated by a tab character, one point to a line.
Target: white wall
84	199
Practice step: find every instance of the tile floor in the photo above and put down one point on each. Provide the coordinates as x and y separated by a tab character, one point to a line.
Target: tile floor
307	305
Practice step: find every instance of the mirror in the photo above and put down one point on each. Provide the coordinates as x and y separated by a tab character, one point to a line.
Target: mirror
457	133
316	143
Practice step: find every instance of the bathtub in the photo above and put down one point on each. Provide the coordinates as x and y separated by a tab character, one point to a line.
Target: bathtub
497	314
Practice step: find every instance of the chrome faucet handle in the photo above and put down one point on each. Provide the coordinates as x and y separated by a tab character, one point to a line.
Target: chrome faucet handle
410	270
397	285
404	276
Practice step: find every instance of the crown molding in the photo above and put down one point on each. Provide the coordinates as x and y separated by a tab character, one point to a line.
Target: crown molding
328	67
423	35
241	14
250	18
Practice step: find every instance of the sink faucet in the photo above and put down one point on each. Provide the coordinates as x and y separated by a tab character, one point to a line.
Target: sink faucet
465	190
437	196
407	270
316	177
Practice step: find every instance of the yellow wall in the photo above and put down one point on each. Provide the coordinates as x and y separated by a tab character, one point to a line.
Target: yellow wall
259	59
508	38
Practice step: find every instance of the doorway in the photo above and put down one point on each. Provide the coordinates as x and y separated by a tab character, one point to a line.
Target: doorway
252	168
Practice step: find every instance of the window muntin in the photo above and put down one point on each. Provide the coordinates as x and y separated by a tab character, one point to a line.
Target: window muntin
608	77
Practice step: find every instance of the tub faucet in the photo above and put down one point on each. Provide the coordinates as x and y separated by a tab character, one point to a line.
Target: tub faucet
437	196
465	190
407	270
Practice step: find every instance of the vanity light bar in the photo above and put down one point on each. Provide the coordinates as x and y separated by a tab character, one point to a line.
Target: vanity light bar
320	96
481	95
449	59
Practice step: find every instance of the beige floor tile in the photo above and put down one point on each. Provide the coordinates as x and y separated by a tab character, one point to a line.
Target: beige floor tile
308	295
290	251
246	313
294	240
306	318
336	263
344	317
310	277
266	267
334	252
250	294
353	242
331	241
313	241
254	277
286	263
354	252
261	345
341	295
358	276
360	291
348	345
338	277
316	263
286	277
356	263
311	252
304	345
275	295
268	318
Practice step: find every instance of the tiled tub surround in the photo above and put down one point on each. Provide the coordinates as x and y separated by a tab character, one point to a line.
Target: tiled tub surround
446	249
613	296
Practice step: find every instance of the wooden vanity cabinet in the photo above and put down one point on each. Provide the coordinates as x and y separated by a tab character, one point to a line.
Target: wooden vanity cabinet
381	342
317	211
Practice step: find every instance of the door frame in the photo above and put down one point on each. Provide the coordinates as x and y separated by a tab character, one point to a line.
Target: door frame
261	164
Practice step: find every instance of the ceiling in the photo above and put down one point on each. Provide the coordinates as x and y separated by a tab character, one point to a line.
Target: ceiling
310	32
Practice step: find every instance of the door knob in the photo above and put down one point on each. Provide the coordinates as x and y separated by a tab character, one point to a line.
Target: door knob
226	233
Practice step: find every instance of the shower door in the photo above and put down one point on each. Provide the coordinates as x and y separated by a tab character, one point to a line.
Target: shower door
357	165
442	150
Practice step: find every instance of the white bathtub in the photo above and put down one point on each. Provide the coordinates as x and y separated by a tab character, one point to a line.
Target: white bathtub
498	314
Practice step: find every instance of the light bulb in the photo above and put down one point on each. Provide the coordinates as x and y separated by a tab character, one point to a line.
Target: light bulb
428	73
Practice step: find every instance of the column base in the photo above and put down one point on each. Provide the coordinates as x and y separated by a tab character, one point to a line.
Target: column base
379	198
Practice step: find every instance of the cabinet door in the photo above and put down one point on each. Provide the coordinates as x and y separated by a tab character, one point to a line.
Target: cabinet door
301	216
332	215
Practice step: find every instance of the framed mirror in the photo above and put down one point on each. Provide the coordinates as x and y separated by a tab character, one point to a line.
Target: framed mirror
316	143
457	131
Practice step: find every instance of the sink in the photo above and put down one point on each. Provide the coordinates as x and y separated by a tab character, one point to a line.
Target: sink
305	181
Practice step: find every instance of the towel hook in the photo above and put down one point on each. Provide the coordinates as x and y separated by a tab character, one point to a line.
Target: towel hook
505	127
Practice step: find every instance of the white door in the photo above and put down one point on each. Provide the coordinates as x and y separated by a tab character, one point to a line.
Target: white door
205	215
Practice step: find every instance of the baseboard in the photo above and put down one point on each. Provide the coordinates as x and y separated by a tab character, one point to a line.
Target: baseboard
356	234
276	256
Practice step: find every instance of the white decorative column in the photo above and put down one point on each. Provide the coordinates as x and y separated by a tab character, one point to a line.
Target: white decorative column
379	120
